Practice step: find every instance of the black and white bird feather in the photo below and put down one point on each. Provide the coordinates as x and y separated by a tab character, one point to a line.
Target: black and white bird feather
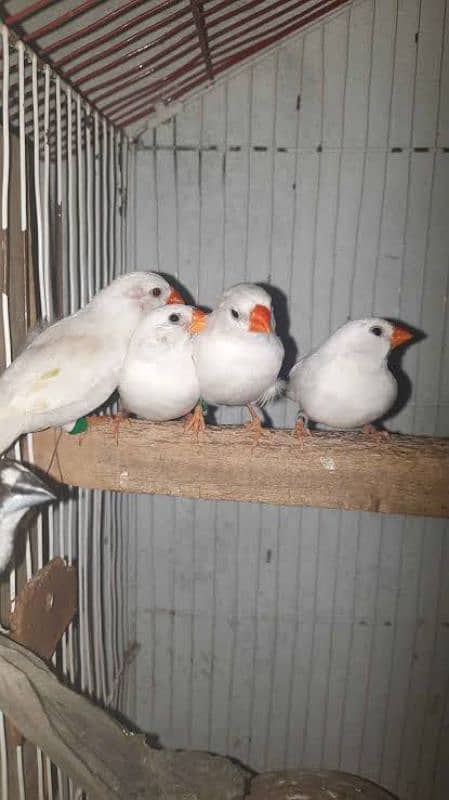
20	490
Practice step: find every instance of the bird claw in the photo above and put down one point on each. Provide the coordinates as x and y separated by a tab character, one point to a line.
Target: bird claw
375	434
301	429
117	420
195	422
254	426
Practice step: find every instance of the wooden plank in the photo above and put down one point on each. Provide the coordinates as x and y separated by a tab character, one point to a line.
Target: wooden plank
94	749
330	470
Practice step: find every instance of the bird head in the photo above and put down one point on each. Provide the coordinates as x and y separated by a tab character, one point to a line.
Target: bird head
373	337
170	323
20	488
143	290
246	308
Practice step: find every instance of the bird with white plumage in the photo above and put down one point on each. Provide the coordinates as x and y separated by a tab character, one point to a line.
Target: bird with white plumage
346	382
158	380
72	367
238	355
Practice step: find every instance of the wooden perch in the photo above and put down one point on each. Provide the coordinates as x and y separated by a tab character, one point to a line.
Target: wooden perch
402	475
94	750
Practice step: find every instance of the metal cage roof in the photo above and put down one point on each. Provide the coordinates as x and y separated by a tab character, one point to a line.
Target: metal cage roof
129	58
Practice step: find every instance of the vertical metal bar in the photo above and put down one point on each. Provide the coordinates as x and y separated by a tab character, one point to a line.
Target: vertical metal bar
72	249
112	205
23	204
124	161
97	182
5	254
105	203
81	206
131	210
37	188
46	197
49	315
3	758
40	774
90	208
20	773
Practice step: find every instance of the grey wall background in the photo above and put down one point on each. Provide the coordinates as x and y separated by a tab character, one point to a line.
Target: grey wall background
298	636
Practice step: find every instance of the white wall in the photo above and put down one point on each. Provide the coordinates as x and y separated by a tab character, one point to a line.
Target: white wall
298	636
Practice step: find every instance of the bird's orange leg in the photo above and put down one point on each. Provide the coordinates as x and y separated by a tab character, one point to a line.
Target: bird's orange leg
117	420
255	424
374	433
195	422
301	428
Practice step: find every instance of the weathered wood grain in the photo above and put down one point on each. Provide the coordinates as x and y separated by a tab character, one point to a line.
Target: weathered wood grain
94	750
403	475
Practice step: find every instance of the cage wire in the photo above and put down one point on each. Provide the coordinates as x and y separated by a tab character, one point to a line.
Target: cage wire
72	187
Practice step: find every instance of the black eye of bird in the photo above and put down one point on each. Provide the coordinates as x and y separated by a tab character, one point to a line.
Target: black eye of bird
156	292
376	330
235	313
174	317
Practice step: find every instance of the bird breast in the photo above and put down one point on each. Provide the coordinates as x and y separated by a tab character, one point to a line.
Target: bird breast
341	393
236	369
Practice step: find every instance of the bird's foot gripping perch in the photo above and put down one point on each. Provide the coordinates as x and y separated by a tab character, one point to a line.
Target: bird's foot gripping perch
195	422
254	426
375	434
301	428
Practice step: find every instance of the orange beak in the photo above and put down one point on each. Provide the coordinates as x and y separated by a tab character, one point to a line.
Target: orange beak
175	297
260	320
198	321
399	336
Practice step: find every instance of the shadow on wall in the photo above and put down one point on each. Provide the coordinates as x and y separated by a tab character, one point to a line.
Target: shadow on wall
395	358
282	316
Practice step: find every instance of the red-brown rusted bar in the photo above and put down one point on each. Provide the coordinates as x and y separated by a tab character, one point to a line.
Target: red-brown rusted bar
292	25
261	32
33	8
130	78
197	13
58	22
181	90
130	25
156	86
123	59
99	23
148	72
198	79
140	70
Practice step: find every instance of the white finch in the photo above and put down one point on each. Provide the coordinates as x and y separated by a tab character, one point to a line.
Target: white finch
238	356
346	383
72	367
19	490
158	380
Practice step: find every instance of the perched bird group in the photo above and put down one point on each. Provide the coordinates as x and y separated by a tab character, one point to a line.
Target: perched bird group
165	357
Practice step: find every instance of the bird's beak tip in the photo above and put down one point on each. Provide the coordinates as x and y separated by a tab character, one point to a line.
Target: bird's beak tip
175	297
400	336
198	322
260	320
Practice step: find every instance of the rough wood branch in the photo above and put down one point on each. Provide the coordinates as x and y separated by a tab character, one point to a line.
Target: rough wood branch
94	750
403	475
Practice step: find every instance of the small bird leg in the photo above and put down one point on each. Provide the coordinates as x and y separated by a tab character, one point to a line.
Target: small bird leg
301	428
374	433
195	422
255	424
117	419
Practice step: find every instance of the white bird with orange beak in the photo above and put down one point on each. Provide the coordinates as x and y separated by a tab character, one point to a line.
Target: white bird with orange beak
158	380
238	356
72	367
346	383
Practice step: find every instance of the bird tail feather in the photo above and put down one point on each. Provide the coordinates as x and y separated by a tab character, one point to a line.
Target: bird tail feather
273	393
